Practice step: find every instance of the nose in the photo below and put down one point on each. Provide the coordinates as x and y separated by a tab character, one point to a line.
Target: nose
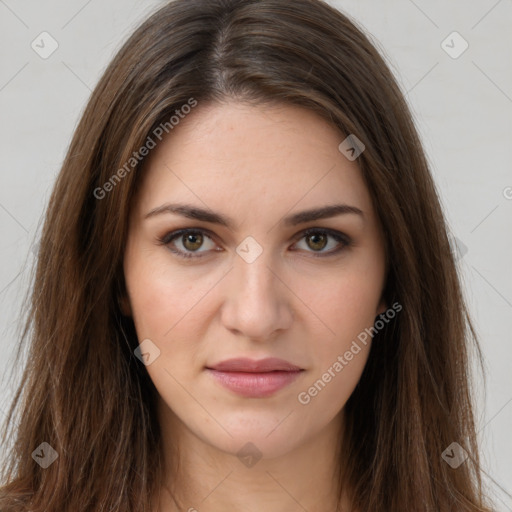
257	299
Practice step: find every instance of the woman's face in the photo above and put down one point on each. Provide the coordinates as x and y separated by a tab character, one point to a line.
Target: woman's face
258	287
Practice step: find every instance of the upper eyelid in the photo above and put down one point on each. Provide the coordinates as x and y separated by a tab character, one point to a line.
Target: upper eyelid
180	232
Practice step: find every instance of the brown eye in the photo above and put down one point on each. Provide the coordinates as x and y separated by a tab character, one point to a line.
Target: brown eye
187	242
317	241
192	241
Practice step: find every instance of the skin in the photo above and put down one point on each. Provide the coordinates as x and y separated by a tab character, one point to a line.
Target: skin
255	165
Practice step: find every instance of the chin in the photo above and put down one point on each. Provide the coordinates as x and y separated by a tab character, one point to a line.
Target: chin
261	435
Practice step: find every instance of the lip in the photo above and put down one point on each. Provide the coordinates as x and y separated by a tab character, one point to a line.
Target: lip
255	379
244	364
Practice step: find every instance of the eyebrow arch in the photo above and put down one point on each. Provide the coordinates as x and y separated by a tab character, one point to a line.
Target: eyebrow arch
194	212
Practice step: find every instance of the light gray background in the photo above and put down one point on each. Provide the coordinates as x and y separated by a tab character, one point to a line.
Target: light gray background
462	106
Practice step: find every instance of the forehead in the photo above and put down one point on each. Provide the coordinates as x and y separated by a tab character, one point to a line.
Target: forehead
252	158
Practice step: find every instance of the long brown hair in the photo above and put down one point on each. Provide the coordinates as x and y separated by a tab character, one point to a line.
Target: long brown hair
85	393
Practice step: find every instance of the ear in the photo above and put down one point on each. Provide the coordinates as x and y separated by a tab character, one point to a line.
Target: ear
382	307
123	300
124	305
121	295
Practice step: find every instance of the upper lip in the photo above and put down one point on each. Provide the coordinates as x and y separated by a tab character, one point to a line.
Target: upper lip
243	364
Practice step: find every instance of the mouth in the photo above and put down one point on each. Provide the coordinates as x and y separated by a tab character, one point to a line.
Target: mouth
255	379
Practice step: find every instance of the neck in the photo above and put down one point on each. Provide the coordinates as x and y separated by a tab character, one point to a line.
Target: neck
201	477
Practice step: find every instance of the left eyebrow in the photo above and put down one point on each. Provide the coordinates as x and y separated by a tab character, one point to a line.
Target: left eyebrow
321	213
196	213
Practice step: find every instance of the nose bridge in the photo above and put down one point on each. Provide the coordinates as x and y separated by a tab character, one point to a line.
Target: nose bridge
254	279
257	303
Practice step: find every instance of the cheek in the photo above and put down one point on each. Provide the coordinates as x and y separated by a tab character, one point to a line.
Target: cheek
345	302
168	308
347	306
339	356
162	299
324	396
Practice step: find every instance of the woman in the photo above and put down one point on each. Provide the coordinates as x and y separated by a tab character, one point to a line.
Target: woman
187	354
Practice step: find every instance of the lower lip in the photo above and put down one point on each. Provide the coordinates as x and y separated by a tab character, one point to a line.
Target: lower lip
255	385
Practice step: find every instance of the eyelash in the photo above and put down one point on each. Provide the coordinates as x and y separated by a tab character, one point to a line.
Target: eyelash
336	235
